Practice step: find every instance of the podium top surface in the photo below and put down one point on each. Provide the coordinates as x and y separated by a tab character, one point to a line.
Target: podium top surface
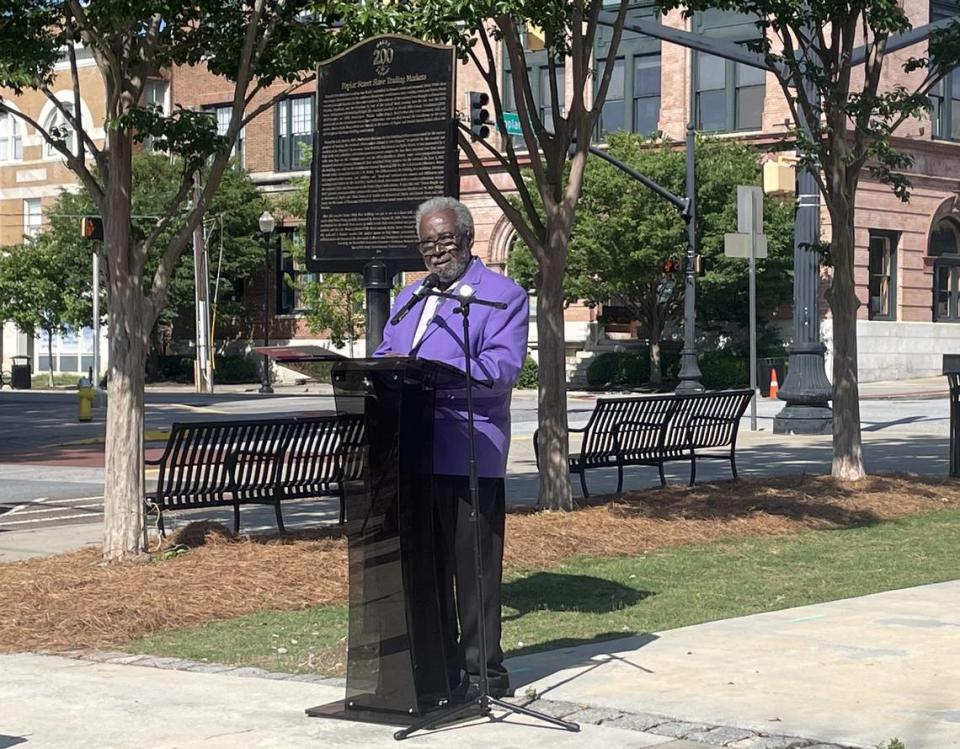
292	354
447	375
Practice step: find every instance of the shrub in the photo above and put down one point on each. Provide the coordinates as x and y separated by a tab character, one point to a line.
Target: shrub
723	370
529	375
632	368
236	370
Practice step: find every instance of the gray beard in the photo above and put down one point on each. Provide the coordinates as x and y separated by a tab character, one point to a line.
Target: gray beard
452	272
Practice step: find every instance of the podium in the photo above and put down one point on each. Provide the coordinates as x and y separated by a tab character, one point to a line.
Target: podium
396	659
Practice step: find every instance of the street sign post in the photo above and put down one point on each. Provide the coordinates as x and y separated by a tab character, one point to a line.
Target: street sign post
749	242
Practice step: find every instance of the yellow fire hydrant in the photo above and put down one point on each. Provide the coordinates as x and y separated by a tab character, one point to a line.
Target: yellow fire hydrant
85	399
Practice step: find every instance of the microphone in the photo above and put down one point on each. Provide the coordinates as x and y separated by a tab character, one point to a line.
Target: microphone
430	282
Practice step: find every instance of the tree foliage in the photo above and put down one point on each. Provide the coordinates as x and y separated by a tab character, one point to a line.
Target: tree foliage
45	290
251	45
830	58
624	232
230	231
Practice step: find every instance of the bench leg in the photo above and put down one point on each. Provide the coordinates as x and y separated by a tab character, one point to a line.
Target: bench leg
663	477
279	518
583	483
693	469
236	518
343	508
619	479
733	465
163	531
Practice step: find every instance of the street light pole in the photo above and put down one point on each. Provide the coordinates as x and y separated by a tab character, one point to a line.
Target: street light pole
690	374
806	388
267	225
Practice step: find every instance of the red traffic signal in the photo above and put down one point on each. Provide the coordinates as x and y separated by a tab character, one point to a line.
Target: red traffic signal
91	227
671	265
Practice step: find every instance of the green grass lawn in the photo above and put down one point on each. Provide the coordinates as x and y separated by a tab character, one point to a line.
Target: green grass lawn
587	599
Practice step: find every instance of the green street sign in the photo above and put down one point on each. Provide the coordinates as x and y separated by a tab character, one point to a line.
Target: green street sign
512	120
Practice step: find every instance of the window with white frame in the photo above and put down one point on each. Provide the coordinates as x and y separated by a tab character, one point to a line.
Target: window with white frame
882	267
32	217
11	138
223	113
155	97
60	128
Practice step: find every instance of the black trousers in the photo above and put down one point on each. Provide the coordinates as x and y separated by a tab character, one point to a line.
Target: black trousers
459	601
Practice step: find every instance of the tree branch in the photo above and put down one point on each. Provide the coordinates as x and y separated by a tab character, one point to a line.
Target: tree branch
527	234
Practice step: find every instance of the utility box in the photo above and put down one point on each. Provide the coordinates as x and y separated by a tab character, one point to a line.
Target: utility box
20	373
951	368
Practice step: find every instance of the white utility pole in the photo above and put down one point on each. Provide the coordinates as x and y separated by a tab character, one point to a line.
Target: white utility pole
750	242
96	320
204	372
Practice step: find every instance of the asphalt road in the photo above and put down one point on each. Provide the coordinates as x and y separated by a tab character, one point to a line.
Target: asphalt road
51	465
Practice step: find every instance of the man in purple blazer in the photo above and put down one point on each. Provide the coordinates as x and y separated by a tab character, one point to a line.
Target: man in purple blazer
498	346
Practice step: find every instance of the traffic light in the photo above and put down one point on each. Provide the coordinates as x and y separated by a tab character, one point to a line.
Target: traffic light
91	227
671	265
479	117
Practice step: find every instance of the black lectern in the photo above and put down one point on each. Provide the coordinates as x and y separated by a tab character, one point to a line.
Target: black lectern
396	664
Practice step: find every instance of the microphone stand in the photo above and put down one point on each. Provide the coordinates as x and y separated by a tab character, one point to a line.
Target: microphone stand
484	701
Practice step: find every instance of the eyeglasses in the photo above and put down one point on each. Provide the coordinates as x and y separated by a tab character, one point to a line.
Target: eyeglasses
443	241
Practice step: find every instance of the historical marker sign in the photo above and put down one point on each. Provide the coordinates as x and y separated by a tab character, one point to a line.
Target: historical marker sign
386	141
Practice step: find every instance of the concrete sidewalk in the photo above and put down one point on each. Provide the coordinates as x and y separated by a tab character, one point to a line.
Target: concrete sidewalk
856	672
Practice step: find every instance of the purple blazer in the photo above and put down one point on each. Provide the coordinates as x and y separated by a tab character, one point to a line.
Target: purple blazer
498	347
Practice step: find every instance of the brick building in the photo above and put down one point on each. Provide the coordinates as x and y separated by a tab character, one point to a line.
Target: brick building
908	255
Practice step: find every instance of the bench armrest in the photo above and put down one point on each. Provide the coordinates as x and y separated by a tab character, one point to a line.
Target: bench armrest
536	441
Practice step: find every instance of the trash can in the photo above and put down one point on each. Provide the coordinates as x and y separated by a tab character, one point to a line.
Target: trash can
764	367
20	373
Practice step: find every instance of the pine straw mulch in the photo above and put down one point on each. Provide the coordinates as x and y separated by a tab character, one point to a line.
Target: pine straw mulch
73	601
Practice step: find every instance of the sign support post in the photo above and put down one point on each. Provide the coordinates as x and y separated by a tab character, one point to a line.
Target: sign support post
750	242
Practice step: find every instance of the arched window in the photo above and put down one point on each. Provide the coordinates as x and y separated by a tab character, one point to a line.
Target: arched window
11	138
945	248
59	127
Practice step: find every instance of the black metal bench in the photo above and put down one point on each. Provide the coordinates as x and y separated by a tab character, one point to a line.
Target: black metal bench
653	430
263	461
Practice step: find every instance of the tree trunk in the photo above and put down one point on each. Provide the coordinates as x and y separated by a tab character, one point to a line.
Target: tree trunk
656	371
50	358
847	444
123	518
554	444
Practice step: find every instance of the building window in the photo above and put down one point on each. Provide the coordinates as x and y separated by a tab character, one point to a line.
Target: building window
11	138
294	133
155	97
711	93
60	128
291	275
728	95
223	113
883	275
633	98
646	94
945	96
945	107
945	248
613	114
32	217
544	95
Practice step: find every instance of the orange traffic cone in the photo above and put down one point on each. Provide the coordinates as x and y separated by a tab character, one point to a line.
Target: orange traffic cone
774	385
